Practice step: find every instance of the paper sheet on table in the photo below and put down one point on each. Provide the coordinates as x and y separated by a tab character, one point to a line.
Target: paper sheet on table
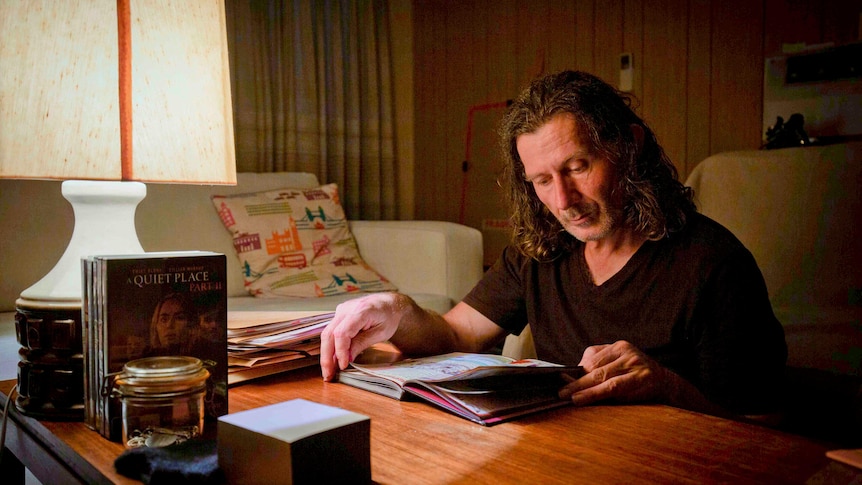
237	320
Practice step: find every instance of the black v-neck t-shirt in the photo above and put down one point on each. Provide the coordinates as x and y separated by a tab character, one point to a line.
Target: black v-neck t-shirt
696	302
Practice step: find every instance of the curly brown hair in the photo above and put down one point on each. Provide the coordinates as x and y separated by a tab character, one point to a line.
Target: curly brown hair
656	203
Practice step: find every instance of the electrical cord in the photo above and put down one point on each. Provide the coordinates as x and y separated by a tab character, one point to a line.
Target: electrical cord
3	425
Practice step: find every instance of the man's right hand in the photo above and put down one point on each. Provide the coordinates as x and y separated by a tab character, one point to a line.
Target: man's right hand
357	325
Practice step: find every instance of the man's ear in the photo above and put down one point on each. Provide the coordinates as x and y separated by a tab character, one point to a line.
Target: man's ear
638	134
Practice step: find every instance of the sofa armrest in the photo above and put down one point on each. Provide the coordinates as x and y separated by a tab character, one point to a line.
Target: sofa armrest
422	256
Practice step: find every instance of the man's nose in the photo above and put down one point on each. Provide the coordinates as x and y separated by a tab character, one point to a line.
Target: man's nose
566	193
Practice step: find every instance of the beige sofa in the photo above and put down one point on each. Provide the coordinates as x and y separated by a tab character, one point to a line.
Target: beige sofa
799	211
435	262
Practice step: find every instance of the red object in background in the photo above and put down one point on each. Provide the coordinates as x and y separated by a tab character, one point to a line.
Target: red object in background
465	165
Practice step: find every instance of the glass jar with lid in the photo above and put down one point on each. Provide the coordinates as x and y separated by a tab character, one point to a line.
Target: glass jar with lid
162	400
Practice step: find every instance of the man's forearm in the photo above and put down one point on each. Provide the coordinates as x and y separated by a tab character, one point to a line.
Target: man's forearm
421	331
682	394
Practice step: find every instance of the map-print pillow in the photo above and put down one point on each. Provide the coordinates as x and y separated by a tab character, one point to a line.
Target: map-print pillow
296	242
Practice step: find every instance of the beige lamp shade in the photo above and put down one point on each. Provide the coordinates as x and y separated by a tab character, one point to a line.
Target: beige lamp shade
60	94
104	95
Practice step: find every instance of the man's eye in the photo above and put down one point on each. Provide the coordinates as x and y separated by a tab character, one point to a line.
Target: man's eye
542	182
578	168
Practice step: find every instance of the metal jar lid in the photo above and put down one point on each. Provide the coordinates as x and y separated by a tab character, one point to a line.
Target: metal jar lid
161	376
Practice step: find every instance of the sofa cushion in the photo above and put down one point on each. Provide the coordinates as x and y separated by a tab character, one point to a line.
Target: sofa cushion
296	242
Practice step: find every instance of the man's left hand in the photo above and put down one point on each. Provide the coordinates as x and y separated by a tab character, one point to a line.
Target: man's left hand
617	371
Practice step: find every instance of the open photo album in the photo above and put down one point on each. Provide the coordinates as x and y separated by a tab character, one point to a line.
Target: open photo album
484	388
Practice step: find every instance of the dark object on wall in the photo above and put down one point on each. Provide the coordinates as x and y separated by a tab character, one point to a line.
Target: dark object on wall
786	135
842	62
823	84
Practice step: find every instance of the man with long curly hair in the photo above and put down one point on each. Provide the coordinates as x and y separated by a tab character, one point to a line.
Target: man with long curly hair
610	264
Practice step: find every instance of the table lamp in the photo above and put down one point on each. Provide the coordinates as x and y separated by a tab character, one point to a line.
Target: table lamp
104	95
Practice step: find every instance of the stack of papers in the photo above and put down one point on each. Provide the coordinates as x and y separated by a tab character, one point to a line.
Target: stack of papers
263	343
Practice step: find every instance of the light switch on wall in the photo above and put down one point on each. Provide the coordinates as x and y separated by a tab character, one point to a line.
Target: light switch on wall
626	71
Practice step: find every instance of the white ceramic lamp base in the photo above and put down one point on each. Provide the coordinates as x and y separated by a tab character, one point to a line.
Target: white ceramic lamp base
104	224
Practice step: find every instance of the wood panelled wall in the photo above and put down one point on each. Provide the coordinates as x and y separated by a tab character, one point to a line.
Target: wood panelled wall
698	75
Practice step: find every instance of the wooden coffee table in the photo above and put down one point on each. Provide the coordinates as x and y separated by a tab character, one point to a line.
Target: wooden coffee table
413	442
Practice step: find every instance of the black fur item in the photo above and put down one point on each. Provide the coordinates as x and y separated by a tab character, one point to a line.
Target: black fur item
192	462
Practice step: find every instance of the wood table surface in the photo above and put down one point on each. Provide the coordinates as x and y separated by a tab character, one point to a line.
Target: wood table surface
414	442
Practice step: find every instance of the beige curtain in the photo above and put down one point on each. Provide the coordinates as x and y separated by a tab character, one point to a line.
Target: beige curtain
312	91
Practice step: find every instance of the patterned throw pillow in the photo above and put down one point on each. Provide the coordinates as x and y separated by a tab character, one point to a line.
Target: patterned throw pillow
296	242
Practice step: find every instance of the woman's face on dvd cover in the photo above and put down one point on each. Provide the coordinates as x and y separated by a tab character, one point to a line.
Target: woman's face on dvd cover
172	324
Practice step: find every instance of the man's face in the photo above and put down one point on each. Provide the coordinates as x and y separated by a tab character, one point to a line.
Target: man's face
208	322
575	185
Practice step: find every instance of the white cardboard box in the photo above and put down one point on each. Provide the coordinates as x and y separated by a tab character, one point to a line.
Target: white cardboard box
295	441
